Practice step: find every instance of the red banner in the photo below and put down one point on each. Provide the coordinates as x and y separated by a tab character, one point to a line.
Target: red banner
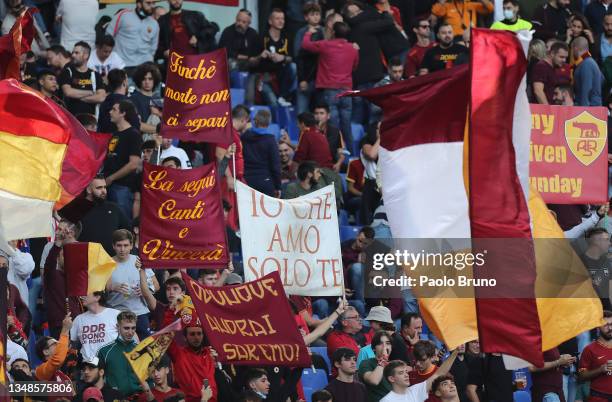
181	218
250	324
230	3
197	104
568	159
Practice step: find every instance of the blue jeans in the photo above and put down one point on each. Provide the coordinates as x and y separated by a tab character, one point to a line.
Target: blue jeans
143	326
303	98
362	109
340	110
551	397
355	272
122	196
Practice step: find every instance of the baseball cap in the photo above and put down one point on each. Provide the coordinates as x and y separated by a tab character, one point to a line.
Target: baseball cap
380	314
92	361
92	393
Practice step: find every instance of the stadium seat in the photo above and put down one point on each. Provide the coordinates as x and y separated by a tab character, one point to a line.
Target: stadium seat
349	232
343	218
313	381
358	134
239	79
322	351
287	119
522	396
255	108
237	96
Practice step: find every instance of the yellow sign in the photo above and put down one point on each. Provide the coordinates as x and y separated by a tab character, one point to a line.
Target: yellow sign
586	137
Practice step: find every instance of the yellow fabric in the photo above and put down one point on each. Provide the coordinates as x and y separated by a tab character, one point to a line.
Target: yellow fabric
147	353
560	273
460	14
31	167
100	267
451	320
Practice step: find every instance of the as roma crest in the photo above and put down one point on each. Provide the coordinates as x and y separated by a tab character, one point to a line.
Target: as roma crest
586	137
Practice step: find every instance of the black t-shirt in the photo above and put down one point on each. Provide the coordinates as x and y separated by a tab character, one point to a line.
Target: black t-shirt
104	122
438	58
123	145
78	80
281	46
100	223
459	370
347	392
492	378
600	273
334	140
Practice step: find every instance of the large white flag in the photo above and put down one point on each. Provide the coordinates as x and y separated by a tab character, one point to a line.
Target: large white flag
297	237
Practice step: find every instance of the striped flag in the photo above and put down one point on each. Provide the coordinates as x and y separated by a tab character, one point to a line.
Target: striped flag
88	268
454	161
16	43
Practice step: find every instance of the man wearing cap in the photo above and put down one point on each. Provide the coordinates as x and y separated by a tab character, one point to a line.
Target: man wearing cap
92	376
193	363
53	354
92	393
119	372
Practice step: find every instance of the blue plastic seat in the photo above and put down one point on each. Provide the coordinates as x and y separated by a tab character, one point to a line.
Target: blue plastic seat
349	232
239	79
522	396
322	351
343	218
527	374
255	108
237	95
313	381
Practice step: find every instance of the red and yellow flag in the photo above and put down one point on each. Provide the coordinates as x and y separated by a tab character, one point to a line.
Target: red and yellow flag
88	268
16	43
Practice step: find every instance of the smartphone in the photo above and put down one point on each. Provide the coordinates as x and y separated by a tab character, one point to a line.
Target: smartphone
205	382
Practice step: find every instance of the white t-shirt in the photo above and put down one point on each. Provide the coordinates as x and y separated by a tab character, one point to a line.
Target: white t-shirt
177	153
79	18
94	330
127	273
103	67
415	393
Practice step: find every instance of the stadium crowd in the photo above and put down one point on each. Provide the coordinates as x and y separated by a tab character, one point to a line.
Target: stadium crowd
292	135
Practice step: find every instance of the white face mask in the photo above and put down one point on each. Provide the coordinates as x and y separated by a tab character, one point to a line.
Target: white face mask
508	14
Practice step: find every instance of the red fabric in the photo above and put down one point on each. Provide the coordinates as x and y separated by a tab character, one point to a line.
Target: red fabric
313	146
407	107
197	105
416	377
337	60
355	173
414	58
159	396
593	356
338	339
180	36
250	324
230	196
84	156
16	43
26	113
76	264
190	368
498	208
194	240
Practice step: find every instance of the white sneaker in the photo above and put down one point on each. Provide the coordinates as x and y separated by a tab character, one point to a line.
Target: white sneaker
281	101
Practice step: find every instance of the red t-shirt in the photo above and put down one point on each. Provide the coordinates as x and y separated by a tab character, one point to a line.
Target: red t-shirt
313	146
159	396
180	36
593	356
550	77
355	174
414	58
416	377
239	156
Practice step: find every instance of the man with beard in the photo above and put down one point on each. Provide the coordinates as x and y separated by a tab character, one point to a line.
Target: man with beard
185	31
288	166
563	95
308	175
93	376
136	34
193	363
103	218
446	54
595	259
241	41
596	362
82	87
550	19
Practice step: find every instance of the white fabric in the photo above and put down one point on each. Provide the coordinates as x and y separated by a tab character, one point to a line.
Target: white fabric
93	331
422	181
21	266
304	248
177	153
79	19
14	351
114	61
415	393
24	218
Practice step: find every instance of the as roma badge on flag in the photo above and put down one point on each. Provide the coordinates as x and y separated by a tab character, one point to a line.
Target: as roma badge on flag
586	137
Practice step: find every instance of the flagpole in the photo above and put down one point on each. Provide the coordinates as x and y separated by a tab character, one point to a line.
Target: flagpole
234	169
68	306
158	153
